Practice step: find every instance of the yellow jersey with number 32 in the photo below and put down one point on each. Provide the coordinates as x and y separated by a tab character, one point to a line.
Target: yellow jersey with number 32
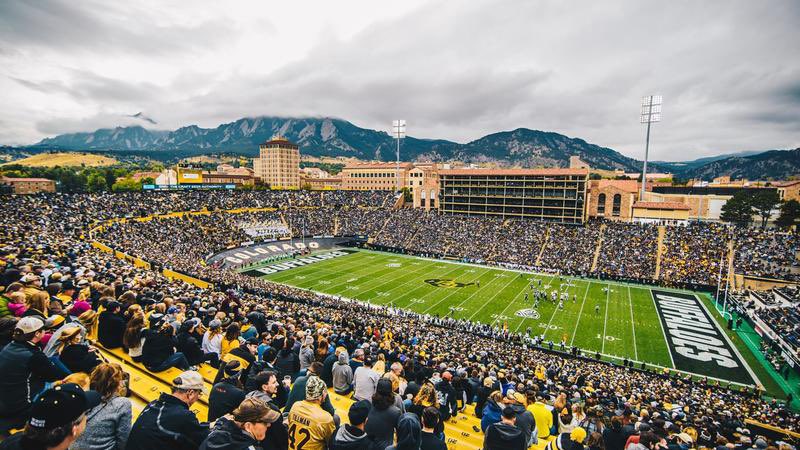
310	426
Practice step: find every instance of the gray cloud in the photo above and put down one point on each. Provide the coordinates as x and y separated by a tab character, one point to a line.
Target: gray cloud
728	72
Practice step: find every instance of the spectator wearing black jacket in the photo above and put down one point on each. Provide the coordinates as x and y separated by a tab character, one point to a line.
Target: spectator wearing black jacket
25	370
287	362
429	438
188	342
449	405
111	326
227	394
246	427
504	435
613	436
158	351
246	353
167	423
352	436
482	396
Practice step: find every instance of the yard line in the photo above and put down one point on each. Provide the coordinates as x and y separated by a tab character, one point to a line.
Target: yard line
448	295
421	268
478	290
666	341
513	279
605	322
633	326
387	274
322	270
579	314
431	292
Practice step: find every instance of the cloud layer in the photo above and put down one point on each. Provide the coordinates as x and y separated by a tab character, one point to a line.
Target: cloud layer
729	71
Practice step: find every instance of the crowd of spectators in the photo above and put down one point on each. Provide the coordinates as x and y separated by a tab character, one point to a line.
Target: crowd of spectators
54	282
768	254
693	254
628	250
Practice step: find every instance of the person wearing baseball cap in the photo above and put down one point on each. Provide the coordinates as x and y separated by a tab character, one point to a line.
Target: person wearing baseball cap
25	370
167	422
244	428
58	417
311	425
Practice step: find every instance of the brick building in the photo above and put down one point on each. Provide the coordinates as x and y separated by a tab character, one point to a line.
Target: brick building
380	176
28	185
612	199
278	164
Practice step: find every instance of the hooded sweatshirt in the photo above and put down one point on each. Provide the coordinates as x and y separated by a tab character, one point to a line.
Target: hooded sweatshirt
342	374
348	437
502	436
227	436
409	433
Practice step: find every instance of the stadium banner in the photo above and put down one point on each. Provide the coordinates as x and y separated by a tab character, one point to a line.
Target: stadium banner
288	264
695	341
254	253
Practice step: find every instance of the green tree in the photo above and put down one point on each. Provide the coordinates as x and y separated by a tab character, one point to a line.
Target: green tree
126	184
764	202
407	195
96	182
790	215
148	180
738	210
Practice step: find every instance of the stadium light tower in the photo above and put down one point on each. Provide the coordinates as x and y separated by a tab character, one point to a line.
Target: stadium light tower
399	132
651	113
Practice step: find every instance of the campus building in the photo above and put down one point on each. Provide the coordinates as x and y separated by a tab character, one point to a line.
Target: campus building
378	176
27	185
278	164
554	195
612	199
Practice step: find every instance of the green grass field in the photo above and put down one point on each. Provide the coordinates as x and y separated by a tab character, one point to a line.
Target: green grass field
626	324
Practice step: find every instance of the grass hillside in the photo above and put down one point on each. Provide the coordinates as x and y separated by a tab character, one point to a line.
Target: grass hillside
64	160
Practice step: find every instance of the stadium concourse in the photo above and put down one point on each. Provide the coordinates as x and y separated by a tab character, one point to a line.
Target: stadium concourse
119	334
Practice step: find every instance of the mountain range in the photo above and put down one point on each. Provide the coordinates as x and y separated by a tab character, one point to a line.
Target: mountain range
336	137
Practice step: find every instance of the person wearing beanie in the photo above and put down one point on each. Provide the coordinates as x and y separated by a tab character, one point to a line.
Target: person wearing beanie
504	435
568	441
226	394
384	415
310	426
352	436
342	374
409	433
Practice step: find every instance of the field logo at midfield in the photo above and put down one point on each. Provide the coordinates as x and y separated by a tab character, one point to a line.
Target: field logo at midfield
527	313
694	340
446	283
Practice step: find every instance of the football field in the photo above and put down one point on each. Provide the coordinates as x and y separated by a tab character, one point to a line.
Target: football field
615	319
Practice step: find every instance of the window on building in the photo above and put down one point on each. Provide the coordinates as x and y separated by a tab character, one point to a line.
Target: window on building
617	205
601	204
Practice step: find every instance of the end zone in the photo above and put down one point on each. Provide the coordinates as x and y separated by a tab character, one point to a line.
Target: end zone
695	340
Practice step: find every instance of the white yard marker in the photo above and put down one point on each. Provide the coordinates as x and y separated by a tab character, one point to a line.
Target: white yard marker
633	326
605	322
579	314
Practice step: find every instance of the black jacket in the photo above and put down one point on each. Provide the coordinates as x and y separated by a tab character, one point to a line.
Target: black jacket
327	369
614	439
448	406
287	363
501	436
227	436
157	348
25	370
431	442
243	353
78	358
483	395
188	344
525	420
224	398
110	328
167	424
348	437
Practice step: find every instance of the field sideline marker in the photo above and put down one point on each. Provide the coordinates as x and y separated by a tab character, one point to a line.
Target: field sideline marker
580	313
633	325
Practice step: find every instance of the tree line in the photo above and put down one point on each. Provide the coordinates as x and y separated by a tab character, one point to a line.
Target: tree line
746	205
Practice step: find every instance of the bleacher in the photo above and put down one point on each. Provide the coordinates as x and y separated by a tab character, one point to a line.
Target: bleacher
146	386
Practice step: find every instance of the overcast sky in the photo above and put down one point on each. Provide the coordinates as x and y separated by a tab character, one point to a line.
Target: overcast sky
729	71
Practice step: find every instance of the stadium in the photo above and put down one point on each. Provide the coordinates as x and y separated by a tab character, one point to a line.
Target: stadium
603	324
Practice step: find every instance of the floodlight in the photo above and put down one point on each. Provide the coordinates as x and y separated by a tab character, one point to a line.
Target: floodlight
650	113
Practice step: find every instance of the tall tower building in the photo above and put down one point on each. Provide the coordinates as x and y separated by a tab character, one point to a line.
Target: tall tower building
278	163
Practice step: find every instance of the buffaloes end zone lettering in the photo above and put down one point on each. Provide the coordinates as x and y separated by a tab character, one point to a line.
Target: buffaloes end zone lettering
292	263
696	343
446	283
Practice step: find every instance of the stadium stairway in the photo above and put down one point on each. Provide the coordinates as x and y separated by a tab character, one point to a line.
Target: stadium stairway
544	246
598	248
662	232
